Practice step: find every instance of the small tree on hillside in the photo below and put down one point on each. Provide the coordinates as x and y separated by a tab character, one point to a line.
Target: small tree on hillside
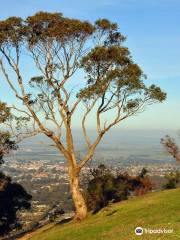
173	178
74	65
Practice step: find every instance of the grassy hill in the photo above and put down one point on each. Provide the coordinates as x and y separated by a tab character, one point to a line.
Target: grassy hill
118	221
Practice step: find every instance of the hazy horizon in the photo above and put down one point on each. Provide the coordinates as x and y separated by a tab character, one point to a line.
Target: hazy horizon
117	147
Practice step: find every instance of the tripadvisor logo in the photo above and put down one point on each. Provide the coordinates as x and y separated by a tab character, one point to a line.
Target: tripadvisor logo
139	231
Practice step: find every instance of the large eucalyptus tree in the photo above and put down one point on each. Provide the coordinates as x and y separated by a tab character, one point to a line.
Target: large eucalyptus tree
77	68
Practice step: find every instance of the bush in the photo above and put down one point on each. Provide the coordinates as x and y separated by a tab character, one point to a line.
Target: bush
104	187
13	198
143	183
173	178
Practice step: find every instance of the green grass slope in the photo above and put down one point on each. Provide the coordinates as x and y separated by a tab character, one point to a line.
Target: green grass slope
118	221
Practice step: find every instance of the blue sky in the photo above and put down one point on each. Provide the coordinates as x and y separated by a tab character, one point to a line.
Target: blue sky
153	37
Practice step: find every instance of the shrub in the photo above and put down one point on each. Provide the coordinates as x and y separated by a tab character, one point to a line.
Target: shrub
13	198
173	178
104	187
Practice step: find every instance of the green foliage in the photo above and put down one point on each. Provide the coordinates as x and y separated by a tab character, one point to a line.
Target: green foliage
173	178
105	24
12	32
155	93
110	68
39	27
108	65
4	112
45	26
6	143
143	173
105	187
13	198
